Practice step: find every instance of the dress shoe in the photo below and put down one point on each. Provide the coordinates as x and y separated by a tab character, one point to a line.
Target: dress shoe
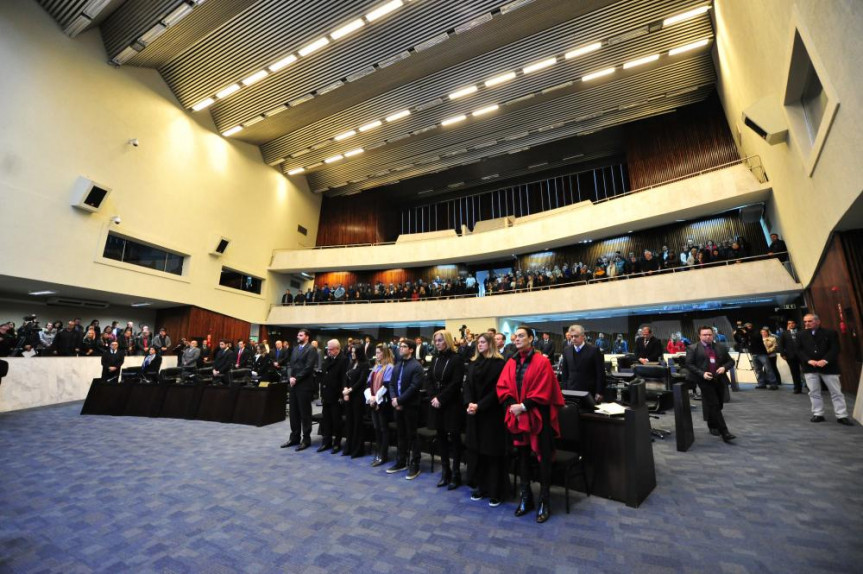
337	449
290	443
413	472
493	502
715	432
397	467
544	511
728	437
816	419
845	421
526	504
477	495
324	447
445	477
455	482
303	446
377	462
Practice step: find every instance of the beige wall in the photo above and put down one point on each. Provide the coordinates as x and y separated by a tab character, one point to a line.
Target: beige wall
64	113
753	46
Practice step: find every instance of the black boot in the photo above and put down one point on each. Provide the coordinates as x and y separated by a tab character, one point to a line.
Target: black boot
526	504
456	480
544	510
445	476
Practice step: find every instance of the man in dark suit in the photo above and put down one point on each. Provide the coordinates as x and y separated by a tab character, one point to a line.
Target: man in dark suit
818	353
707	363
510	347
223	361
151	365
287	298
280	356
501	346
304	359
546	347
244	356
648	349
334	367
112	361
404	388
788	351
369	347
421	351
583	365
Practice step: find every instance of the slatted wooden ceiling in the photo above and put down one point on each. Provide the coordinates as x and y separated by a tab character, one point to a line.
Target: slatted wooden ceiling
410	59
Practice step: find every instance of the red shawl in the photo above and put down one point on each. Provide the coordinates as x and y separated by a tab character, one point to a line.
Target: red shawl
538	384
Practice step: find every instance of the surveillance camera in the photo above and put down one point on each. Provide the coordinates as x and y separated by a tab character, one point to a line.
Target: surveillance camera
116	220
134	142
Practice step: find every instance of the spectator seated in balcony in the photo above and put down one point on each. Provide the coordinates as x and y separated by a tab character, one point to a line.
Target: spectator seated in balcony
90	344
649	264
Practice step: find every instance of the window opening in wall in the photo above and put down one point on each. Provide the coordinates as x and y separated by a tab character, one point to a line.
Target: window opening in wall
241	281
813	100
120	248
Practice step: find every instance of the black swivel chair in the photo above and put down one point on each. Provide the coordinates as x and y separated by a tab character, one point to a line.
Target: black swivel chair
568	449
130	375
171	376
657	386
239	377
204	375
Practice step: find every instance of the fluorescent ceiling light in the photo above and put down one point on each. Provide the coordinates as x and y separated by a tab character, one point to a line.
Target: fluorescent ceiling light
539	65
253	121
499	79
462	92
689	47
685	15
296	170
370	126
398	115
453	120
354	152
384	10
284	62
232	131
127	54
598	74
345	135
640	61
316	45
347	29
140	304
334	159
93	7
256	77
151	34
203	104
486	110
301	100
228	91
178	14
583	50
315	165
275	111
78	25
37	293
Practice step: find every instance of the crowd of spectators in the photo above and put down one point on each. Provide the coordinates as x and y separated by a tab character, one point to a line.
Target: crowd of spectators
610	266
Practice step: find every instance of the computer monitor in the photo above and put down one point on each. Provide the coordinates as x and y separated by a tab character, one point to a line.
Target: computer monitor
583	399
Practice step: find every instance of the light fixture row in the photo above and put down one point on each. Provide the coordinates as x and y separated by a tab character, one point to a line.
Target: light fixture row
494	107
305	51
504	77
148	37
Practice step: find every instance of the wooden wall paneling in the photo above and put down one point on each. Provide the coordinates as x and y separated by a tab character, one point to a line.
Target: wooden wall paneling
833	272
356	219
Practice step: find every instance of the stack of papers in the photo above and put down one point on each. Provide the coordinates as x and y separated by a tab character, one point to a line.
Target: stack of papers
610	409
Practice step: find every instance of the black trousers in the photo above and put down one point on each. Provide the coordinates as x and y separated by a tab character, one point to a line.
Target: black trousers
450	446
490	474
331	423
354	431
794	366
407	421
301	411
712	398
381	420
546	450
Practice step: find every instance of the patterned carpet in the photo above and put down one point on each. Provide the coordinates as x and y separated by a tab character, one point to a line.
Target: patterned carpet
103	494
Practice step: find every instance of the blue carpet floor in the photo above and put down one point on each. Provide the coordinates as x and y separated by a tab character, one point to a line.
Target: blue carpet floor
105	494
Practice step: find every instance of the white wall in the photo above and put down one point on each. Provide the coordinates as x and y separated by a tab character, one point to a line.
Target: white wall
64	112
752	47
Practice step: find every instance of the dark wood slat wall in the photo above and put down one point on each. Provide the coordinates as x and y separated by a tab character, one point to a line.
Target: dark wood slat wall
692	139
840	269
674	236
356	219
387	276
194	322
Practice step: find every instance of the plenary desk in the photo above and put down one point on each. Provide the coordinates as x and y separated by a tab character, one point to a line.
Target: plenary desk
106	399
145	400
261	406
619	454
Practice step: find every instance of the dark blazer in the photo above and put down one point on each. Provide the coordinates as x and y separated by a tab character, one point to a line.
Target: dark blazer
152	370
410	372
546	348
304	362
280	356
583	371
485	431
823	345
333	378
112	360
788	345
445	378
246	358
650	349
356	378
263	366
224	360
509	350
697	361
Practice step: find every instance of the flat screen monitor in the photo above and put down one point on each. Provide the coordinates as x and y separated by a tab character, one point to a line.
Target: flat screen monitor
583	399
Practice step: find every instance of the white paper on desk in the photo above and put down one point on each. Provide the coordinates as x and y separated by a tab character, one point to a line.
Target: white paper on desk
610	409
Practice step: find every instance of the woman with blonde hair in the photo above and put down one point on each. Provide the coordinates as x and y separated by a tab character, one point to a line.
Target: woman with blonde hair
445	377
486	432
378	401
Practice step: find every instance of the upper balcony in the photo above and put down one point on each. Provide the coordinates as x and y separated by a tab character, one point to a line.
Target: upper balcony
755	280
713	191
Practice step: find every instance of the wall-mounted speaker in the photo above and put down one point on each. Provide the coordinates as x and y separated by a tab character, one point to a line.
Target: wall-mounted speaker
765	118
89	195
220	245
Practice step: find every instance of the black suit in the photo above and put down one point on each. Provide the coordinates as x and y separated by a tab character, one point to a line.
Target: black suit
112	359
583	370
281	358
304	360
788	350
243	359
150	371
546	348
224	361
263	366
712	391
650	349
404	386
332	383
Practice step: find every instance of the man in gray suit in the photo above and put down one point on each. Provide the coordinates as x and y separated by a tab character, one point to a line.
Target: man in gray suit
191	354
304	360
